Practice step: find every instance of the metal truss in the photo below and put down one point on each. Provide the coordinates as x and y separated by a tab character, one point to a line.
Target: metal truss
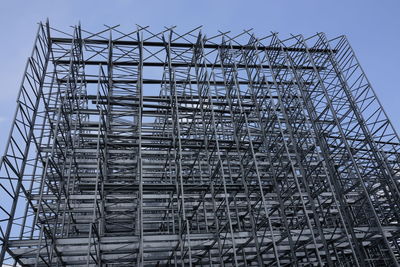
168	149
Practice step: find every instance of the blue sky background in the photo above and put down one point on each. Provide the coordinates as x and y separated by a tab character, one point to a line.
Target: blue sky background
371	26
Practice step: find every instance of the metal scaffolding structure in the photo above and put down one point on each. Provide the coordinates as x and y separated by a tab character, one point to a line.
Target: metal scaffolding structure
169	149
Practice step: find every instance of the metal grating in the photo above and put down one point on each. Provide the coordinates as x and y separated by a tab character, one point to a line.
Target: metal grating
168	149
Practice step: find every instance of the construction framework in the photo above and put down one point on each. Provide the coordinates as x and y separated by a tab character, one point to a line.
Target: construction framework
168	149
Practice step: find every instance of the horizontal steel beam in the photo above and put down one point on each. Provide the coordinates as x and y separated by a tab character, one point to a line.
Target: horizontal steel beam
187	45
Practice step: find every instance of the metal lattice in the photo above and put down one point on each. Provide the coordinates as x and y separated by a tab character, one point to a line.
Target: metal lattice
164	149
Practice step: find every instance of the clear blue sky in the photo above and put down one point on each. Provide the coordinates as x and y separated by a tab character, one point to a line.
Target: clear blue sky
371	26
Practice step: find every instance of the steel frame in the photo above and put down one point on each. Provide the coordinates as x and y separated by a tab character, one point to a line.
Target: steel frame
247	151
